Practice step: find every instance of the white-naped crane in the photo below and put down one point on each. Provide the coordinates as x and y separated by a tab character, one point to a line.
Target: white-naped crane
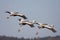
43	25
26	22
16	14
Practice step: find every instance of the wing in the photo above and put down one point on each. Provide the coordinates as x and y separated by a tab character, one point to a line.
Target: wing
52	29
24	17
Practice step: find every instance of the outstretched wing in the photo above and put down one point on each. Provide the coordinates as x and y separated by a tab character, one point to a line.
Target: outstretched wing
52	29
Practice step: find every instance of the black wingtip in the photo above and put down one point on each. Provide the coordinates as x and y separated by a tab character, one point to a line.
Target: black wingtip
54	30
24	17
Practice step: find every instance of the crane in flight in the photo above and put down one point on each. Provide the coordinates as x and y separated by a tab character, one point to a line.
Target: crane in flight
44	25
16	14
26	22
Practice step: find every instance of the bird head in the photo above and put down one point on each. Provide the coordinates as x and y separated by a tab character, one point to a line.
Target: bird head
7	12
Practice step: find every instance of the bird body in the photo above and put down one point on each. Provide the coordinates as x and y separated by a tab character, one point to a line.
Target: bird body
50	27
17	14
26	22
43	25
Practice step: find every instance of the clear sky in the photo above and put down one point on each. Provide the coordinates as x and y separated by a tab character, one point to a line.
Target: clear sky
46	11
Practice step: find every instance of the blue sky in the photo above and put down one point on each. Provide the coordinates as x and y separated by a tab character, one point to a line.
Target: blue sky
46	11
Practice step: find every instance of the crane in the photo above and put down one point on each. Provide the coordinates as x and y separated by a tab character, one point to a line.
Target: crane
44	25
16	14
26	22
